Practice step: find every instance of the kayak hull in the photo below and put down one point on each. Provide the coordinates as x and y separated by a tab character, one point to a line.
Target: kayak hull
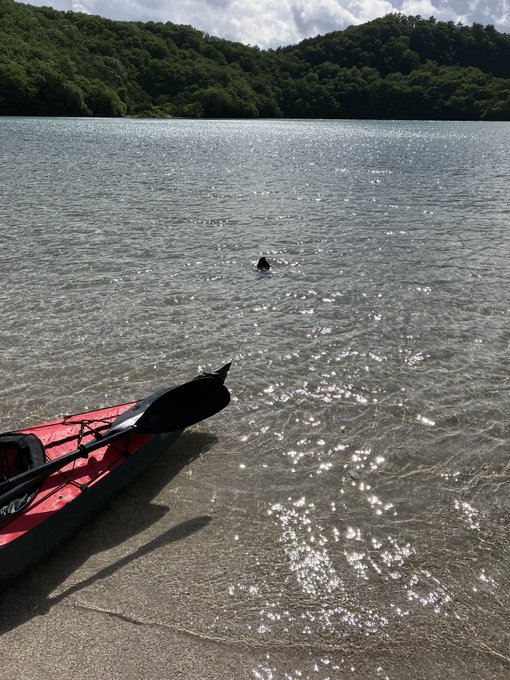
29	548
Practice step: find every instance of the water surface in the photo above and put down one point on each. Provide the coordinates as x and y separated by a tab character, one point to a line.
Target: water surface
347	515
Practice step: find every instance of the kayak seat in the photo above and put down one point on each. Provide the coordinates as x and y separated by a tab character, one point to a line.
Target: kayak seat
19	452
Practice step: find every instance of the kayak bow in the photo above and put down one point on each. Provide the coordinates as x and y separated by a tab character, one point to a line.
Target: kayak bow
50	484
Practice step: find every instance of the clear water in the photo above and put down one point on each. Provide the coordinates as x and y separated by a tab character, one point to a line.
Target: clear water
347	515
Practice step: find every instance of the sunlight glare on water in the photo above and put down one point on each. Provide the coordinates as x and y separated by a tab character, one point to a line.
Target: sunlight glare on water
358	486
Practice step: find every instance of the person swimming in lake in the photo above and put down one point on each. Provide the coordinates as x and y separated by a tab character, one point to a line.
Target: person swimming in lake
263	265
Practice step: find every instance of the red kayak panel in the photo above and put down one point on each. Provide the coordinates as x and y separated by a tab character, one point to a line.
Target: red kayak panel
63	486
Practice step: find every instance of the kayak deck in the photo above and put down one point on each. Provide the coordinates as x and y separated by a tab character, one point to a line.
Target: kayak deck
62	487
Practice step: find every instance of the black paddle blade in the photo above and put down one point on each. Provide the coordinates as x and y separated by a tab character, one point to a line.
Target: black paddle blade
184	405
176	408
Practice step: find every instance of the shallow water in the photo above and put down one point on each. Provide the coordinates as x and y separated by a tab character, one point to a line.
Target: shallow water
347	515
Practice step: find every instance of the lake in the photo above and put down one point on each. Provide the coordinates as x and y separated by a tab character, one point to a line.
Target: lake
347	516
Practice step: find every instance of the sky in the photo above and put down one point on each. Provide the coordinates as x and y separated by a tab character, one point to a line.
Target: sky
271	23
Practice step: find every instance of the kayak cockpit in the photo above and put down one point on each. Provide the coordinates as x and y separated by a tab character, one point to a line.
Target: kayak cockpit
18	453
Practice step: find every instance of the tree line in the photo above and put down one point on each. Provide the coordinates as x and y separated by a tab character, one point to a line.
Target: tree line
55	63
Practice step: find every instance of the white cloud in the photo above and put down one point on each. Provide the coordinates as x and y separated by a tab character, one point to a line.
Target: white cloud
268	23
424	8
311	18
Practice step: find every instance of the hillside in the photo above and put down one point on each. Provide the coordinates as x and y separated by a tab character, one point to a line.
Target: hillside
73	64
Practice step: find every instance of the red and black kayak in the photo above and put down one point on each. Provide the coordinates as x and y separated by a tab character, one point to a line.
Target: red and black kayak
56	475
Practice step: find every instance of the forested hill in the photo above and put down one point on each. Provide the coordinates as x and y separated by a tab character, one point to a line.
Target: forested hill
72	64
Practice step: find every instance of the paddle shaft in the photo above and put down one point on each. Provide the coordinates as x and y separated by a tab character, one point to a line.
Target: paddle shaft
26	481
47	468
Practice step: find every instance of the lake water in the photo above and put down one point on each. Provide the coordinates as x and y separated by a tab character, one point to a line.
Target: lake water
348	515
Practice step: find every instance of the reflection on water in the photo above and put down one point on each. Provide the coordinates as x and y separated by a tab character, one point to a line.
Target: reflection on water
357	495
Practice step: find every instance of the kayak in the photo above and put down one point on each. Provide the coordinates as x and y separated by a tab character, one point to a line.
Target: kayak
56	475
